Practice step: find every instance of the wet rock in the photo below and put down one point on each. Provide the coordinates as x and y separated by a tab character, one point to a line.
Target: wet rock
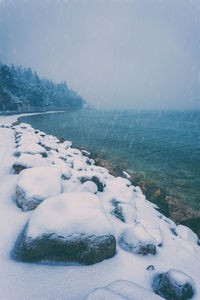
174	284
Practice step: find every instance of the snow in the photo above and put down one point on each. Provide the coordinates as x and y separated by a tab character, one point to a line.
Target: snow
50	280
88	186
136	237
30	161
122	289
180	278
104	294
36	184
32	148
186	234
68	214
132	291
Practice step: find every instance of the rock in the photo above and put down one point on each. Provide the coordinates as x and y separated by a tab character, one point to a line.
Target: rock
68	227
36	184
174	284
186	234
194	224
122	289
32	148
150	268
179	211
88	186
28	161
96	180
123	211
78	164
138	241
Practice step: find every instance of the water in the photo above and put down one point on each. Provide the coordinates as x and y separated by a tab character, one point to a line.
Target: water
163	146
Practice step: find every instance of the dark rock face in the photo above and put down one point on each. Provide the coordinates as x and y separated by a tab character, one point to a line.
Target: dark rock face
150	268
79	248
147	249
18	168
166	286
118	211
96	180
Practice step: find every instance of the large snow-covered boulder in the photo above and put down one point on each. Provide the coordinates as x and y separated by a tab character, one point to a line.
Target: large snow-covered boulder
68	227
174	284
122	289
28	161
138	240
36	184
31	148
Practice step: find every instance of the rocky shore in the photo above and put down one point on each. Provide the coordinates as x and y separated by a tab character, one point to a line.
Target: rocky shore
169	206
86	217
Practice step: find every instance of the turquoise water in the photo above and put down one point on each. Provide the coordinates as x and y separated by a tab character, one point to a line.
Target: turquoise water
163	146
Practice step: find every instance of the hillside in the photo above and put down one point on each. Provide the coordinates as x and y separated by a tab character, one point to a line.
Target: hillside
21	89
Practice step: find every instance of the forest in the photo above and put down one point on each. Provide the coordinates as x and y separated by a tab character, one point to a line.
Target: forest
22	90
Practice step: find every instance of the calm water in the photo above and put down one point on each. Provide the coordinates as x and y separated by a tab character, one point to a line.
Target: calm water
163	146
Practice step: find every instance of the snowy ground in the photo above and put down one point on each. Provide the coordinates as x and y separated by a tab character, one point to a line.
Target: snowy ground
47	280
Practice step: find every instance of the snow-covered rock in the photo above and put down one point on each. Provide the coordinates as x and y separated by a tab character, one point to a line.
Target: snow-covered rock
125	212
88	186
68	227
174	284
29	161
32	148
122	289
36	184
186	234
137	240
100	184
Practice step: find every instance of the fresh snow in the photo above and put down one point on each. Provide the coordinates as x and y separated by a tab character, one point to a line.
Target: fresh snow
36	184
178	249
68	214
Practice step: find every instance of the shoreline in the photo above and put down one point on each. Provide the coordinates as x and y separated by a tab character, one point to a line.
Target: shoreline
98	204
167	205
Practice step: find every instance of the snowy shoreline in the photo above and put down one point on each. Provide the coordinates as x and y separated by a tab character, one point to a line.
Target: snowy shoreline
131	220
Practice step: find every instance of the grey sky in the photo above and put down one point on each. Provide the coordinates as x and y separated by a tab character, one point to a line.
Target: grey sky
116	54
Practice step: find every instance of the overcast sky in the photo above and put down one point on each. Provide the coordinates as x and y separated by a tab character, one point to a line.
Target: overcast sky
115	53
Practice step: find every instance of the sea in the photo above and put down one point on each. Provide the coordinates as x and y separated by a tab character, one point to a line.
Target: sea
163	146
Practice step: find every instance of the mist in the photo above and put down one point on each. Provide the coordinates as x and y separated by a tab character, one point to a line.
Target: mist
141	54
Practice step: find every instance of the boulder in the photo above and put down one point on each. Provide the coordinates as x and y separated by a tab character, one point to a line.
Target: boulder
125	212
28	161
70	227
31	148
137	240
88	186
96	180
174	284
36	184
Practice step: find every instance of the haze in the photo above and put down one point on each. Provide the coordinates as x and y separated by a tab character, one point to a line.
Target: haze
140	54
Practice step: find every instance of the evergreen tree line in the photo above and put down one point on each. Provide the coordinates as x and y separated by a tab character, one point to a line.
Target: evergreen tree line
23	90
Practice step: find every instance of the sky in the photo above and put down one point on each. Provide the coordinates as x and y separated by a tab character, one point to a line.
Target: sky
123	54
